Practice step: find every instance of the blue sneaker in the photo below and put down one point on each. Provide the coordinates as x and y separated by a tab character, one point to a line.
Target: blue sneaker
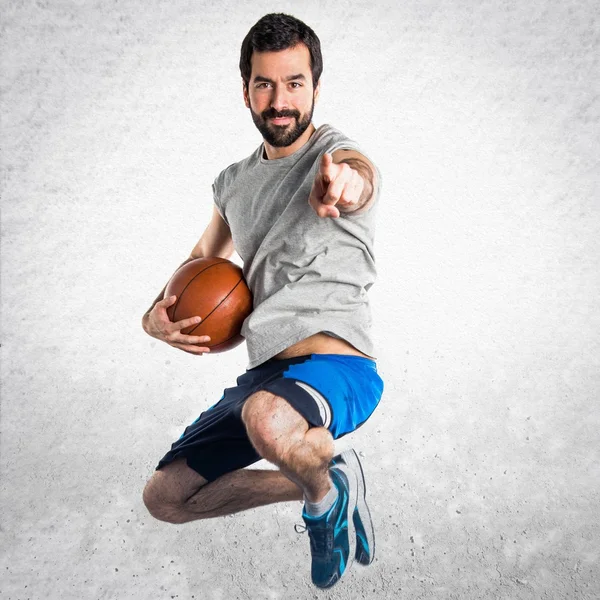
361	516
332	534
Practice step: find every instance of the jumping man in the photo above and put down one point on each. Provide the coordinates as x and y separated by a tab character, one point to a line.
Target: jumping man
299	211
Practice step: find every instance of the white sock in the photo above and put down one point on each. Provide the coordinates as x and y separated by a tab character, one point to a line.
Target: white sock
316	509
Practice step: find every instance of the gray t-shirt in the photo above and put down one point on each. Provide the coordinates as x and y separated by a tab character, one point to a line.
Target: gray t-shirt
307	274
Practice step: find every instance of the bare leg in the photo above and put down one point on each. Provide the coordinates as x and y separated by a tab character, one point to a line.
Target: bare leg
282	436
177	494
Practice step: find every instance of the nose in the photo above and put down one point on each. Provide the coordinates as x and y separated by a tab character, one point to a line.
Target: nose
279	101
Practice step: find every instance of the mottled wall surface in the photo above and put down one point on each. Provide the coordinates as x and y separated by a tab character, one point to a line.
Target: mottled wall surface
483	458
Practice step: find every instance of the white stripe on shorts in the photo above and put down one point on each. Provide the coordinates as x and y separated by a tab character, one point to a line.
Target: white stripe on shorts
324	409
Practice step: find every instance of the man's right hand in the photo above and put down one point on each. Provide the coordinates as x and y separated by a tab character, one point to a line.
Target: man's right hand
157	324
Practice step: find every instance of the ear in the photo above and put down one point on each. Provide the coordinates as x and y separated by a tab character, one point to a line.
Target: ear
245	93
317	91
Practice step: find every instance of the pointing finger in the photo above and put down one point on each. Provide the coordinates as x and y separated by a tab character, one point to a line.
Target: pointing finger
334	192
326	160
325	167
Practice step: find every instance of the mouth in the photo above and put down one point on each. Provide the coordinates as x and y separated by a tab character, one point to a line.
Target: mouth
281	121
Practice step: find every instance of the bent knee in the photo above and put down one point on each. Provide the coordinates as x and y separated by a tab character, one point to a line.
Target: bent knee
160	507
169	489
273	424
163	505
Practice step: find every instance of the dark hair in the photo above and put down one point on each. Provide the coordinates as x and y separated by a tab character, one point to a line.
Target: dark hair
275	32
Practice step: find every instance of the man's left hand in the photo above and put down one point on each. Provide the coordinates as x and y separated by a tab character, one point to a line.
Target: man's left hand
337	188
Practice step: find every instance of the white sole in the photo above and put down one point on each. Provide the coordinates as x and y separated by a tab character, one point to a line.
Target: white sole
352	494
351	459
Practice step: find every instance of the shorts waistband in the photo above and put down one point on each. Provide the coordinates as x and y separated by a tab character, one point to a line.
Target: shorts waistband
304	357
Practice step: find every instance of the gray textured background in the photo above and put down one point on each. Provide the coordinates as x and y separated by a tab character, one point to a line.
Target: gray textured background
483	458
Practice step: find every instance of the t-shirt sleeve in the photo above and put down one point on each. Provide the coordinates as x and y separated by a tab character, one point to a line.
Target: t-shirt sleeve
217	188
345	144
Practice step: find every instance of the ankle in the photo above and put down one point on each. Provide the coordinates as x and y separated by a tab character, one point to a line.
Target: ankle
316	493
320	507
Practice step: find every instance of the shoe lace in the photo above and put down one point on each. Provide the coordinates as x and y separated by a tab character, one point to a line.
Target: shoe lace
321	538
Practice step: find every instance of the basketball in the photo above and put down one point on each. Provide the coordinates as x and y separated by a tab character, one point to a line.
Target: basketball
215	290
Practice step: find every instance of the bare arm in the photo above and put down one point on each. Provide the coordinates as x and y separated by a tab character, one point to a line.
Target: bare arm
215	241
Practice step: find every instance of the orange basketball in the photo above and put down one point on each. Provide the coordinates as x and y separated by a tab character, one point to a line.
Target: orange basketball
215	290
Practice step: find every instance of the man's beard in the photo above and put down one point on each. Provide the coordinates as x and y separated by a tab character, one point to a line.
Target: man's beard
281	136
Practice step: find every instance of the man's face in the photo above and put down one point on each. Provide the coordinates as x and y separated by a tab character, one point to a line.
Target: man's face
280	94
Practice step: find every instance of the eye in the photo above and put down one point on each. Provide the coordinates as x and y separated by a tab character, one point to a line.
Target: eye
296	84
262	85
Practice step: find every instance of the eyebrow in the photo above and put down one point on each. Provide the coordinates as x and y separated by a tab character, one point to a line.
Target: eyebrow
261	79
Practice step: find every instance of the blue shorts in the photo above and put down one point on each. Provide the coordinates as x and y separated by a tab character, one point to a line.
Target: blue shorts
336	391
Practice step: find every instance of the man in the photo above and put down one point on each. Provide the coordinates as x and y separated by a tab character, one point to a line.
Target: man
299	212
